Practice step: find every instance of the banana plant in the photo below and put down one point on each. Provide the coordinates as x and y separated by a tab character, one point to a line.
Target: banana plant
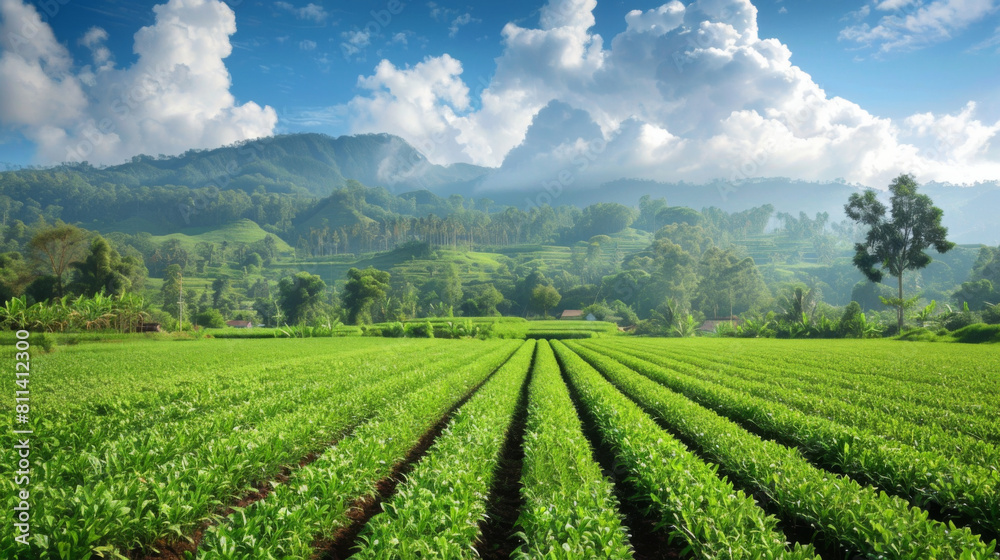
760	326
925	316
686	327
14	313
869	329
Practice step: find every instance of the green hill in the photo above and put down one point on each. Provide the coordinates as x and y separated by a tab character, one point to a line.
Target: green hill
472	267
316	163
243	231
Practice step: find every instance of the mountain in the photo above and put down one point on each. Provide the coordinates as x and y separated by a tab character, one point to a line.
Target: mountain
970	212
315	163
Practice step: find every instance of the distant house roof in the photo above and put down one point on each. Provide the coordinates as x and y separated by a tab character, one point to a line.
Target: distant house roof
571	314
240	324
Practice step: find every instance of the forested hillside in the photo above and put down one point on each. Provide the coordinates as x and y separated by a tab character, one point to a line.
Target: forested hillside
224	248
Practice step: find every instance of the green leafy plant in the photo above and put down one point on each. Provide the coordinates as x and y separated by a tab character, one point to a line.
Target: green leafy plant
685	327
969	488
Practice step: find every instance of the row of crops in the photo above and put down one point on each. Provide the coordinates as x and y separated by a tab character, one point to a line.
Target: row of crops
495	327
321	448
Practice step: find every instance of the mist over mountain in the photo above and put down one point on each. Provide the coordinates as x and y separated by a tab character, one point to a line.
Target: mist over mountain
315	165
565	159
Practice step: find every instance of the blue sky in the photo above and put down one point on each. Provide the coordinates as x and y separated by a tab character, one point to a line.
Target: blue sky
295	66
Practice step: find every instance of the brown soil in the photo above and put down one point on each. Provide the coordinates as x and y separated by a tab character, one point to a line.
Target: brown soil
504	504
176	549
648	542
345	541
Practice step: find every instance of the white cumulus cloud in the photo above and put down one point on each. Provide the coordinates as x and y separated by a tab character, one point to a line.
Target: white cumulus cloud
686	92
420	104
94	40
173	98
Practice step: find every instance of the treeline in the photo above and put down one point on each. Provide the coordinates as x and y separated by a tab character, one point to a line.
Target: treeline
358	219
699	264
53	261
54	194
682	272
353	219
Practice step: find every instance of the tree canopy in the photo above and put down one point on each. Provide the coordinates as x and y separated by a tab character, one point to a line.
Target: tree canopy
58	247
545	298
897	238
301	297
105	270
364	289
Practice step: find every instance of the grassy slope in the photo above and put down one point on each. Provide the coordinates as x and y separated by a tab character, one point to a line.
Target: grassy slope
243	231
473	267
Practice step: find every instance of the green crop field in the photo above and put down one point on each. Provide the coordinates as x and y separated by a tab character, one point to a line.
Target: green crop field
607	447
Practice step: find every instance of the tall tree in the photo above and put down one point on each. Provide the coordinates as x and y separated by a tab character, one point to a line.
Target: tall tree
648	210
728	285
103	270
222	296
896	242
446	286
675	276
545	298
58	247
983	287
206	250
175	253
301	297
364	290
15	275
488	300
171	289
975	294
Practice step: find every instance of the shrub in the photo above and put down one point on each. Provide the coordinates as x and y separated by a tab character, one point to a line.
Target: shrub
648	327
347	330
394	330
977	334
506	330
991	315
919	334
850	321
726	330
210	318
560	335
46	343
959	320
419	330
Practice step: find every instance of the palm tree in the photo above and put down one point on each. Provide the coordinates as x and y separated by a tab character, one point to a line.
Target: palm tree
800	305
